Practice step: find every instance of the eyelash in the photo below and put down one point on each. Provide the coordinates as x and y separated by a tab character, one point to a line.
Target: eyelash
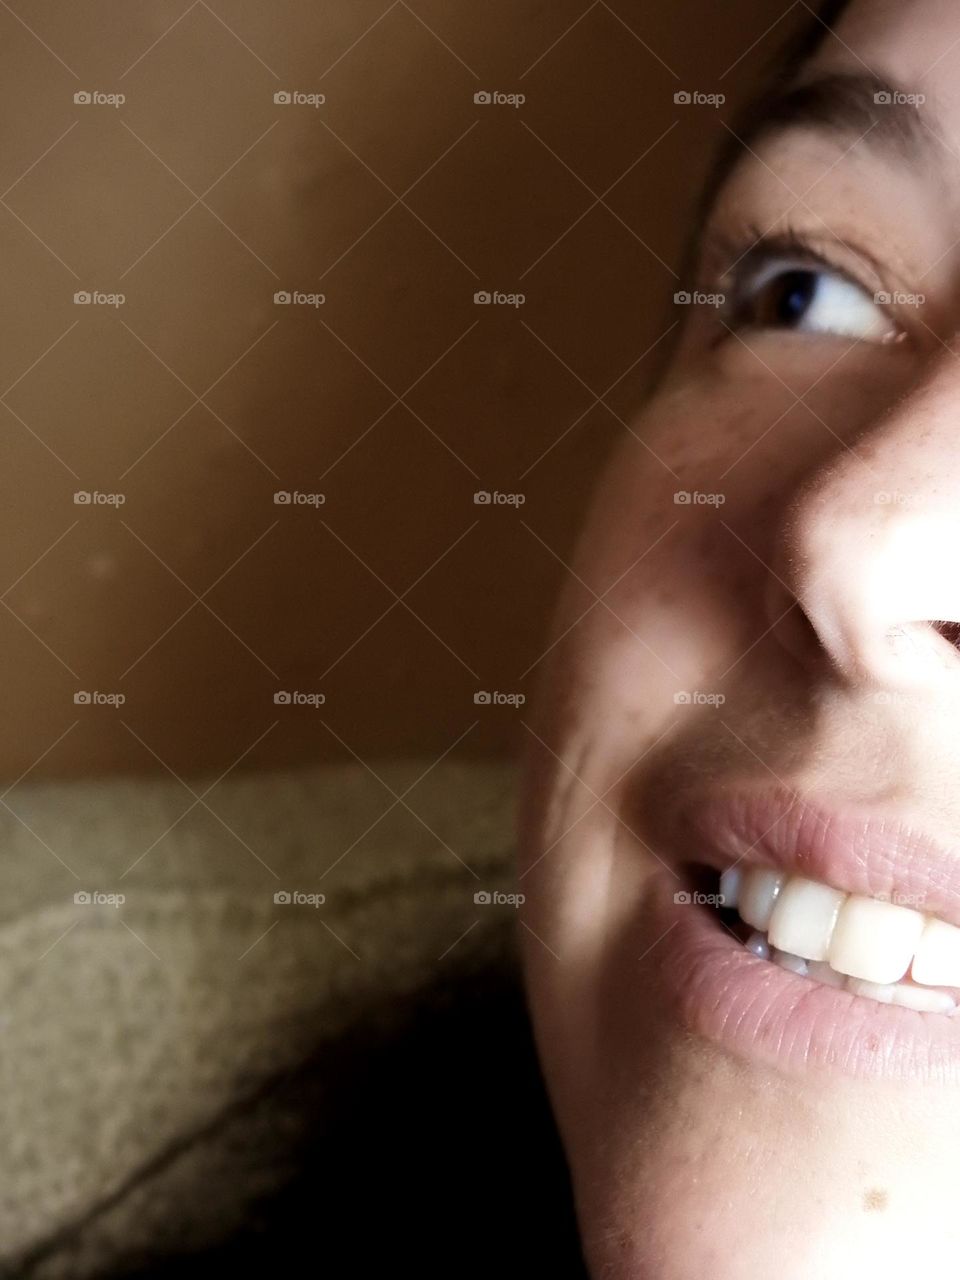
752	249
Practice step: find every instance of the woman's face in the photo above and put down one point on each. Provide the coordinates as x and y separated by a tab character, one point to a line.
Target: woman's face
755	668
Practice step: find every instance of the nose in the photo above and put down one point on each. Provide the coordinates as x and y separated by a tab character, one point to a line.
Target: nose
869	547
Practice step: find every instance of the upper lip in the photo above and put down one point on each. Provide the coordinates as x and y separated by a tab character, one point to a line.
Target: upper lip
857	848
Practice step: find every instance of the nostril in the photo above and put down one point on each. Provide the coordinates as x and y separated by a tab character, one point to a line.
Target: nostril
950	632
793	629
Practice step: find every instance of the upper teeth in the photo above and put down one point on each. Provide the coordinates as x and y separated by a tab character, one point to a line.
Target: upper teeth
864	938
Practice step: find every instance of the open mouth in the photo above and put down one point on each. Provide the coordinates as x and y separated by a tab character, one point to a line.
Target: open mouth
812	935
880	950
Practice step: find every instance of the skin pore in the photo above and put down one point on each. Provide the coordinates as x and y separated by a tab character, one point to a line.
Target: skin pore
812	586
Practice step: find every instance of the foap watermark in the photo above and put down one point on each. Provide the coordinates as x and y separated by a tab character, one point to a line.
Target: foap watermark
915	901
896	698
494	98
897	498
696	498
494	498
94	698
297	898
297	298
94	298
97	898
899	298
496	298
693	898
696	298
294	498
94	98
698	698
496	898
294	698
94	498
494	698
695	98
297	98
897	98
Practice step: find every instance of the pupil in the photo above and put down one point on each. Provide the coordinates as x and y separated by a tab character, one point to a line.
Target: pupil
796	293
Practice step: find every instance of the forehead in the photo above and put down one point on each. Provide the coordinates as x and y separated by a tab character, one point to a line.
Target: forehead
913	43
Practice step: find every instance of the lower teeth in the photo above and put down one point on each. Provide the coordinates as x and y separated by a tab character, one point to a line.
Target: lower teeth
907	994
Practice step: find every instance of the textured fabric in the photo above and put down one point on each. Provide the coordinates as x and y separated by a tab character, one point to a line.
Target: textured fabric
144	1040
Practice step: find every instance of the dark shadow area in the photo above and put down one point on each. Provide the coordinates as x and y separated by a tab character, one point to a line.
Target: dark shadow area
435	1154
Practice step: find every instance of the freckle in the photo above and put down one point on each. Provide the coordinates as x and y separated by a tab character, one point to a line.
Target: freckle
875	1200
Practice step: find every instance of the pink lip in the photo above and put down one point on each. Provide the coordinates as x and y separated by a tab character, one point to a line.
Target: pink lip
759	1011
858	849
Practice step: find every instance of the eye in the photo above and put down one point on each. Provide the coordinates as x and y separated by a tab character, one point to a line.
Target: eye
809	299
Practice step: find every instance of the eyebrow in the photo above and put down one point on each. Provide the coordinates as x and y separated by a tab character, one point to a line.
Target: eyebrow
862	107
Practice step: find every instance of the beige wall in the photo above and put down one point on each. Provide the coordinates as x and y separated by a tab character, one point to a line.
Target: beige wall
198	198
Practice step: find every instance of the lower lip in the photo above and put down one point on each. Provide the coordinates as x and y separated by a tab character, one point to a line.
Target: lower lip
766	1014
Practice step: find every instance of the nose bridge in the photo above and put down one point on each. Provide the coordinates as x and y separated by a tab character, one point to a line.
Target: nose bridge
871	542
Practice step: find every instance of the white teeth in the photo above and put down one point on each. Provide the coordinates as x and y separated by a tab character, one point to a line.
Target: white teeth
863	945
821	971
923	998
937	961
730	883
757	943
874	940
902	993
803	918
883	992
758	893
796	964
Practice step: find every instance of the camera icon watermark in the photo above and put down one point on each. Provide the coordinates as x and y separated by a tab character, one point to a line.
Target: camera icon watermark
295	98
695	98
897	98
94	698
686	298
899	298
494	98
898	498
497	298
896	698
494	498
295	698
298	298
496	898
698	698
94	98
494	698
94	298
294	498
697	498
96	898
297	898
94	498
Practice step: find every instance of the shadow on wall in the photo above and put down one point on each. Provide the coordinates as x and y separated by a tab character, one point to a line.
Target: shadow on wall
375	258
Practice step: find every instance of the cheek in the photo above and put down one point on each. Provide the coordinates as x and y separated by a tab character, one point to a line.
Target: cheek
663	586
683	524
670	579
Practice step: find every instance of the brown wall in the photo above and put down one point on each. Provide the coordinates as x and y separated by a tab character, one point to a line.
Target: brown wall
198	198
